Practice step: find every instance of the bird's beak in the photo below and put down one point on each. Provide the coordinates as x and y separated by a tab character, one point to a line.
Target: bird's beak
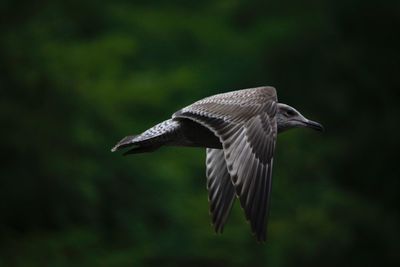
314	125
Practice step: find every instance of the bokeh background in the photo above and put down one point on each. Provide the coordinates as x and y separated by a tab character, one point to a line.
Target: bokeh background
76	76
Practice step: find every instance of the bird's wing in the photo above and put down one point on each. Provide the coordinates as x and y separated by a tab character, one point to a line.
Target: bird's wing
233	107
245	123
221	192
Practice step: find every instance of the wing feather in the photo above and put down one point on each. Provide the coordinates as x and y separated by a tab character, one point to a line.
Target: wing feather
220	188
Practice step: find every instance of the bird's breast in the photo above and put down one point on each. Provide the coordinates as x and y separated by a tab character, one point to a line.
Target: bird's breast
195	135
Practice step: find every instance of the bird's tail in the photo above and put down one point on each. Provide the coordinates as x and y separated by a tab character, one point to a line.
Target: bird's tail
150	140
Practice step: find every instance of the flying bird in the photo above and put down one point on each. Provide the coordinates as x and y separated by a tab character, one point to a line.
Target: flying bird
239	131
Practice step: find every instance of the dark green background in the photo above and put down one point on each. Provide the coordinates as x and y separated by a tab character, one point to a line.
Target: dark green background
76	76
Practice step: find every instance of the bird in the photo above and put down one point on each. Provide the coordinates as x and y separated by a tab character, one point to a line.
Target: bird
239	131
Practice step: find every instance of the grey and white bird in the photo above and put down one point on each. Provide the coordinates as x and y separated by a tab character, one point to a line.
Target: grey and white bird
239	131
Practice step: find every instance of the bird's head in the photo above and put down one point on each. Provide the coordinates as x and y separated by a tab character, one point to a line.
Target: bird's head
288	118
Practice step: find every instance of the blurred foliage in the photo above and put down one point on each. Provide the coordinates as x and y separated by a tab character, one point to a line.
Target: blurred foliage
76	76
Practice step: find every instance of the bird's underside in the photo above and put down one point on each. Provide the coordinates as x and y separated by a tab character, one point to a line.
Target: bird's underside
239	130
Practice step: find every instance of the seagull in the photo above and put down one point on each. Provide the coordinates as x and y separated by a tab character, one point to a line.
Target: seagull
239	131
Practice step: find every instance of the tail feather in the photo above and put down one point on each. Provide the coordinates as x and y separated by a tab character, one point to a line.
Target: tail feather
142	149
151	139
125	142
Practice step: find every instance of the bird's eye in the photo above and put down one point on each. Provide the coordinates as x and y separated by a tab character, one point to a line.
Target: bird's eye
290	113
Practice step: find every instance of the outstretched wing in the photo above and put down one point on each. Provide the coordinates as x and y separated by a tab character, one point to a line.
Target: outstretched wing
221	192
245	123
